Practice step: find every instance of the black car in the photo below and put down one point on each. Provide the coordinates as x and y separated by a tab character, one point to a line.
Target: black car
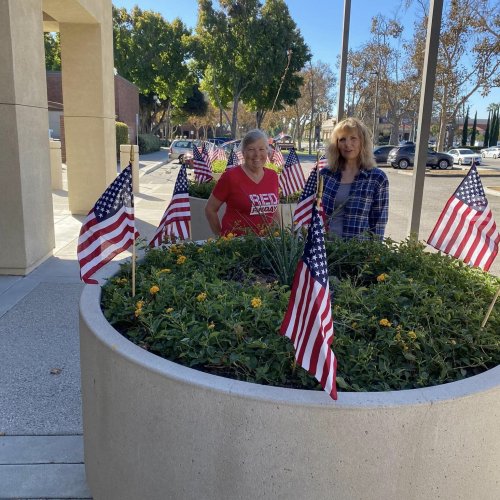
404	157
380	153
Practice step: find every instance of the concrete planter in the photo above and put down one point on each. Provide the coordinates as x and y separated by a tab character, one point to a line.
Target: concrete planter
154	430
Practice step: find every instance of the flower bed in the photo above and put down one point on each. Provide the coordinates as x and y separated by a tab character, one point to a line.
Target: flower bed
404	318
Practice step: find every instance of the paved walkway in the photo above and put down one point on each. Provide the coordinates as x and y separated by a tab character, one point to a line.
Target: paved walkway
41	447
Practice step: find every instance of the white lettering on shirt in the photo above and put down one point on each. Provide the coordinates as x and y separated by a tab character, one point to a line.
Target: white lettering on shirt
266	203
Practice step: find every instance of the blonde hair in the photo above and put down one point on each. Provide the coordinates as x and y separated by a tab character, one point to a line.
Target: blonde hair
366	160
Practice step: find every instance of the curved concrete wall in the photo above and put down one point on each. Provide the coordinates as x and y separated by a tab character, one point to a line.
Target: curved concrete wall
155	430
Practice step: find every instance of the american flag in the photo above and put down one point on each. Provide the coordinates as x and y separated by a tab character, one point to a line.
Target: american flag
466	229
303	211
277	156
322	162
202	171
215	153
175	221
308	320
292	178
204	151
109	227
232	160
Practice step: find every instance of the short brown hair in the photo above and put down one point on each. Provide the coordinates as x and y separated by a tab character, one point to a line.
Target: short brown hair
366	159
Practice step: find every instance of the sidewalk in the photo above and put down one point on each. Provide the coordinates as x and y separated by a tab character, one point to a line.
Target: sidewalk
41	444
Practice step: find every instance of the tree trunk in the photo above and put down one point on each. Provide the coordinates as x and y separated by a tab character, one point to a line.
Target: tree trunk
234	118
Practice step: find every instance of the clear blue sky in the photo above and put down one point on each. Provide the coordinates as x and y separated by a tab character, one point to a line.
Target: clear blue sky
320	22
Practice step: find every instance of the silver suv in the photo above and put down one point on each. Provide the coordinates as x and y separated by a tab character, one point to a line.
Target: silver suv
182	148
404	156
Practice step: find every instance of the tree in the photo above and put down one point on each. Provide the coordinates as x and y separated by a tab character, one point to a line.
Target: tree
465	129
52	51
153	54
487	131
473	133
242	57
467	59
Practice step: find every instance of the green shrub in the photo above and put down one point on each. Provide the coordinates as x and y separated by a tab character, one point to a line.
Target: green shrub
203	190
121	135
404	318
148	143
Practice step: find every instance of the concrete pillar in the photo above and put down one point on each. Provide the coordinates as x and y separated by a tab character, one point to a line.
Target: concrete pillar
124	160
89	108
26	216
56	164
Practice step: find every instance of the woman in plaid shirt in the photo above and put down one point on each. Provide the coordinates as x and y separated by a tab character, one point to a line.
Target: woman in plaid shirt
355	192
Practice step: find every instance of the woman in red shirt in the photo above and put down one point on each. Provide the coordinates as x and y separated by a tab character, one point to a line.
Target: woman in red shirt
250	191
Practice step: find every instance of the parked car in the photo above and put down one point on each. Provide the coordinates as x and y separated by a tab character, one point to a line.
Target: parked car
464	156
284	142
404	157
381	152
181	149
228	146
491	152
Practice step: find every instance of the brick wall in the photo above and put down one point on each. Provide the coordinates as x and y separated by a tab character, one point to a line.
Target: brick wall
126	103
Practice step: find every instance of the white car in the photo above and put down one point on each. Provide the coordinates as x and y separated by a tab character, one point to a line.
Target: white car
465	156
491	152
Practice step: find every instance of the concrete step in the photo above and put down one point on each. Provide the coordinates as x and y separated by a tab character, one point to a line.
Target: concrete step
47	467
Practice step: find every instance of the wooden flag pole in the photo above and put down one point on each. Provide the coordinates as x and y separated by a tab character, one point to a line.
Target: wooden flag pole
131	159
320	192
490	308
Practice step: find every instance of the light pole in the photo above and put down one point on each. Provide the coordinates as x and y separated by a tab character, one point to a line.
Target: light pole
375	128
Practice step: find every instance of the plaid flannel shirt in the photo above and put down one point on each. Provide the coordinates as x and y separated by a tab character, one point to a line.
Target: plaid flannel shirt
366	210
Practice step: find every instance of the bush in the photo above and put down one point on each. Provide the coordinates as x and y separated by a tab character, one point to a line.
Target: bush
404	318
121	135
148	143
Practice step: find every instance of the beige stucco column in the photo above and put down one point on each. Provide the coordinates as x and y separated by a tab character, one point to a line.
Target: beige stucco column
89	106
26	217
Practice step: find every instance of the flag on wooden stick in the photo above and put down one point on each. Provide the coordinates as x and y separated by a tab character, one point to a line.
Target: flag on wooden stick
308	320
175	221
109	227
303	211
466	229
277	156
232	160
291	178
202	171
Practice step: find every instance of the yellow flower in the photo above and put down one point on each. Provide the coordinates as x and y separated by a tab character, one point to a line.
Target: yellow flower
211	326
453	342
382	277
230	236
200	250
276	233
412	335
169	310
154	289
405	347
201	297
397	337
166	270
181	259
138	312
139	304
354	325
209	240
384	322
256	302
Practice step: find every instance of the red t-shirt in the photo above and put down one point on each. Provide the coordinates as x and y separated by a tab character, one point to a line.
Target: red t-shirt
249	204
